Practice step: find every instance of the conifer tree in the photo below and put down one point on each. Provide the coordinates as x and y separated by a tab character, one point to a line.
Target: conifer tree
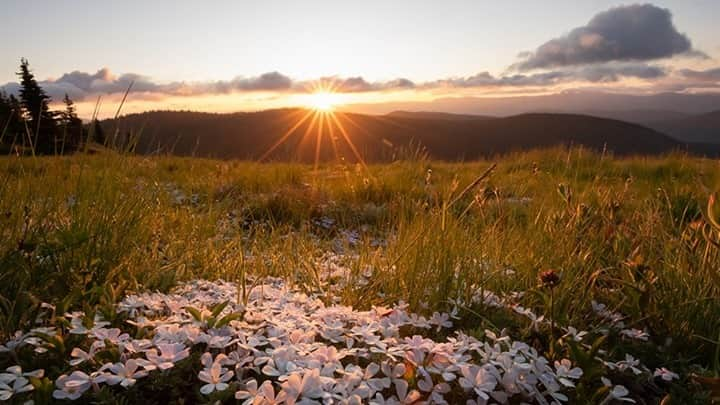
99	133
11	123
35	104
5	115
72	127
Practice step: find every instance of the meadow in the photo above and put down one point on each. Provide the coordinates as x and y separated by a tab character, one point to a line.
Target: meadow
549	276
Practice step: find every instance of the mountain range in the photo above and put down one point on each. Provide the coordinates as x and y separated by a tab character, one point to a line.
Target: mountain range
304	135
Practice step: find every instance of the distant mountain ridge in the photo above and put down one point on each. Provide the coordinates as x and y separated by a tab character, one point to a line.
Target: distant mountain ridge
292	134
703	128
436	115
573	101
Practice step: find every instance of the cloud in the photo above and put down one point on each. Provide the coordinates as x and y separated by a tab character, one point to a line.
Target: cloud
639	32
354	85
485	79
270	81
358	84
614	72
82	85
608	72
710	75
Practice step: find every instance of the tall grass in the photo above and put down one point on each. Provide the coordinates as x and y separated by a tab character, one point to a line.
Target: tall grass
79	231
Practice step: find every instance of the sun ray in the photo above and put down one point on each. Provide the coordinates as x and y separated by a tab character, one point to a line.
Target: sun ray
345	135
384	141
309	129
322	98
318	139
333	140
285	136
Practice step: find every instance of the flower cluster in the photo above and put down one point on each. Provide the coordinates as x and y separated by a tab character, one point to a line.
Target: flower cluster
289	347
15	381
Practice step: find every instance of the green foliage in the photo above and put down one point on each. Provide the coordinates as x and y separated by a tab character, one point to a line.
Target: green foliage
213	318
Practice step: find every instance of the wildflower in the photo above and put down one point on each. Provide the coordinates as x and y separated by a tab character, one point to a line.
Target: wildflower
114	335
437	396
384	348
220	342
665	374
307	386
636	334
124	374
73	386
574	334
602	311
326	357
479	379
16	342
14	372
13	381
312	351
405	397
137	345
80	356
249	393
170	353
629	363
267	394
214	374
565	373
240	357
617	392
549	278
132	305
535	321
441	320
19	385
396	371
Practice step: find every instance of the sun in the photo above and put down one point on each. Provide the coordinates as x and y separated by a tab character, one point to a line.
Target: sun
323	100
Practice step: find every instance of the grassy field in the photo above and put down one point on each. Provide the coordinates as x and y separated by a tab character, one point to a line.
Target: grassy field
634	235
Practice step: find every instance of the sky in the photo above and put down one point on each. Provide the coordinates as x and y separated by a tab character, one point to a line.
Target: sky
240	55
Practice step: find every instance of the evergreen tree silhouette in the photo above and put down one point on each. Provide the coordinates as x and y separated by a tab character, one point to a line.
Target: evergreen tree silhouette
5	117
72	127
11	121
40	120
98	133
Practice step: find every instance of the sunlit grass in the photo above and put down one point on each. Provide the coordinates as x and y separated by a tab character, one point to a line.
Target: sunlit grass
80	231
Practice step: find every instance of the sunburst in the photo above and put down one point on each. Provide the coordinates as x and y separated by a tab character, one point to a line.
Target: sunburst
325	123
323	100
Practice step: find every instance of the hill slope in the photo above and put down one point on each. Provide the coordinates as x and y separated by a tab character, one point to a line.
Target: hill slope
697	128
436	115
377	138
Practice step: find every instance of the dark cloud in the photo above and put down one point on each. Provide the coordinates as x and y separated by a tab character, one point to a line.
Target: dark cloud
485	79
87	86
103	81
626	33
271	81
78	85
710	75
81	85
608	72
614	72
266	81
